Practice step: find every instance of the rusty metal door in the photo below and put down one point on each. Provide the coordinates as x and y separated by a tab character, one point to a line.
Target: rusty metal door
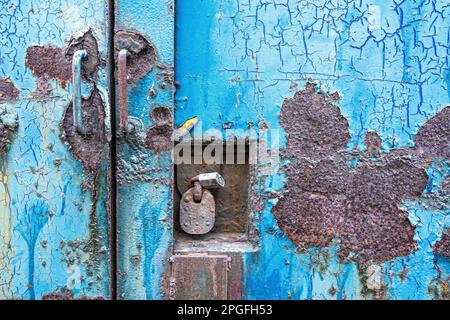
335	116
144	168
54	166
354	98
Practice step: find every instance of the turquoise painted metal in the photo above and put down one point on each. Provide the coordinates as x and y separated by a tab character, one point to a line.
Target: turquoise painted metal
237	61
144	169
234	65
54	229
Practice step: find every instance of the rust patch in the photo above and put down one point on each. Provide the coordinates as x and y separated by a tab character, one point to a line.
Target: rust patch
54	62
161	115
373	144
315	127
87	149
159	137
142	54
326	199
8	90
67	295
8	125
48	62
442	247
87	42
433	138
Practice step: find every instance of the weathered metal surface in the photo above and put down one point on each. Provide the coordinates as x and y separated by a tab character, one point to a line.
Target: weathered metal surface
199	277
360	91
144	169
122	85
232	206
53	182
197	216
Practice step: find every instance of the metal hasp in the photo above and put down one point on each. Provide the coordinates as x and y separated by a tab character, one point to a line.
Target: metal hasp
76	83
122	81
210	180
198	206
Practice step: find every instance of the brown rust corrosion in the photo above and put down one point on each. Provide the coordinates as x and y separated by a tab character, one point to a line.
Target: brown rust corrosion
433	138
159	137
318	128
8	90
67	295
48	62
373	144
88	149
5	136
141	53
55	62
442	247
327	199
88	42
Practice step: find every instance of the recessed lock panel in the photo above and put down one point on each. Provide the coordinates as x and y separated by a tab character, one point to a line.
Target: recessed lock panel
229	185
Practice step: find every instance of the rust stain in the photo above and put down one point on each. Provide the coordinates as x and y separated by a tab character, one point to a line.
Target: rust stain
87	149
159	136
327	199
142	54
8	90
315	126
48	62
55	62
88	42
442	247
67	295
433	138
373	144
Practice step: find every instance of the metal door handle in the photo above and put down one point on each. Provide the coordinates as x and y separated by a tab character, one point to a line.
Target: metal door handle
122	80
76	83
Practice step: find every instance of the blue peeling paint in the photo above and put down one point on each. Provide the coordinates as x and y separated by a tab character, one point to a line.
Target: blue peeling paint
237	61
44	204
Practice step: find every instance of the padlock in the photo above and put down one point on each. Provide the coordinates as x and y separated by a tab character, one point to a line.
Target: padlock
197	217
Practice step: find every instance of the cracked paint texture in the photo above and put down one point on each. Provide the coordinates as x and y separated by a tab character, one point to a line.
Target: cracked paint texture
237	62
53	230
144	174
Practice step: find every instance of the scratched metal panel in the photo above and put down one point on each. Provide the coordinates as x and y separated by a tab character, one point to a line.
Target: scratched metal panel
199	277
334	223
53	189
144	170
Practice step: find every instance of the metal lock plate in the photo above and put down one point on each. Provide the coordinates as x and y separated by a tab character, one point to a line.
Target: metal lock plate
197	217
